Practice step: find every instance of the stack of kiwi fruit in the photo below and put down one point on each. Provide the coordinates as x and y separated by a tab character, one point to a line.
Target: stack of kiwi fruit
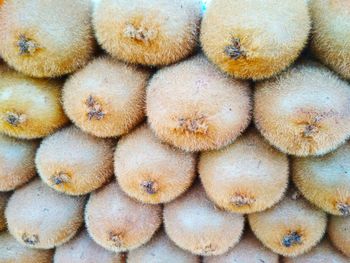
179	131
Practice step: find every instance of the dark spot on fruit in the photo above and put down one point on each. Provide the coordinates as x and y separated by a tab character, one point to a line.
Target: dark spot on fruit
291	239
234	50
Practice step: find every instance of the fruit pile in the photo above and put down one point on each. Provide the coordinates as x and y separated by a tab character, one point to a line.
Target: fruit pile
175	131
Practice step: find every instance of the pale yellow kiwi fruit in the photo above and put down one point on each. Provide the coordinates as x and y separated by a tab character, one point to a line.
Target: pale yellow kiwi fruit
119	223
106	98
304	111
330	39
82	249
254	39
339	233
325	180
322	253
161	249
29	108
290	228
152	32
196	225
11	251
194	107
17	165
150	171
245	177
46	38
39	217
248	250
73	162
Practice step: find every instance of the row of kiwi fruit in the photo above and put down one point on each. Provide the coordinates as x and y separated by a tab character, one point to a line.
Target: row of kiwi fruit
40	219
231	114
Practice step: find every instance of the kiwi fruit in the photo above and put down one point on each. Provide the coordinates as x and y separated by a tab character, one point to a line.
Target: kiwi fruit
329	175
16	162
119	223
339	233
29	108
237	177
150	171
161	249
196	225
73	162
13	252
82	249
254	39
201	110
248	250
330	37
290	228
39	217
3	202
304	111
322	253
38	42
106	98
152	32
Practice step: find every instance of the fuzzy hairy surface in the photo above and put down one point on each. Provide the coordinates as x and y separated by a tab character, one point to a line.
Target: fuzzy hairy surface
13	252
152	32
39	217
193	106
82	249
106	98
59	34
34	104
325	180
339	233
292	215
330	41
3	202
245	177
196	225
254	39
82	161
248	250
16	162
304	111
119	223
322	253
150	171
159	250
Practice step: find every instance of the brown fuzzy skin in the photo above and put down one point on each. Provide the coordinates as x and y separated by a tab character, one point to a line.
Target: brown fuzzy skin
38	42
39	217
339	233
150	171
74	162
106	98
290	228
194	107
29	108
161	249
13	252
330	38
237	177
322	253
305	111
196	225
3	202
17	165
248	250
254	39
119	223
329	175
152	32
82	249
